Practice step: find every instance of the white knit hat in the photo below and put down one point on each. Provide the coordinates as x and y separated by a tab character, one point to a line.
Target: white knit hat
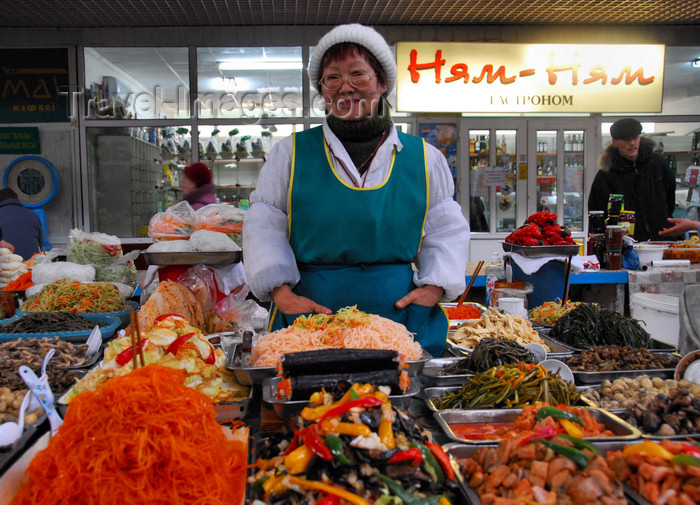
362	35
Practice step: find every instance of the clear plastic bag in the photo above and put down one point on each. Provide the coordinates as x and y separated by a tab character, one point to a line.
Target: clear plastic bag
177	222
200	280
213	146
122	271
98	249
246	314
222	218
46	273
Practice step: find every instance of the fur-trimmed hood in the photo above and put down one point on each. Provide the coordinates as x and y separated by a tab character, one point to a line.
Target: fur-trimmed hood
610	157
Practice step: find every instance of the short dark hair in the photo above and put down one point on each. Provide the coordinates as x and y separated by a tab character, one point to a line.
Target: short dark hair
338	51
7	193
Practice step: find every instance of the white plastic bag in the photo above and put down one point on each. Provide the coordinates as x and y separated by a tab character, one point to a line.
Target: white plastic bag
212	241
46	273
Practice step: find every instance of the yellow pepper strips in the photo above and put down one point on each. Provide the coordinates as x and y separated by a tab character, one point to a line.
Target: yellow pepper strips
334	425
327	488
386	433
647	449
273	486
571	428
315	413
297	460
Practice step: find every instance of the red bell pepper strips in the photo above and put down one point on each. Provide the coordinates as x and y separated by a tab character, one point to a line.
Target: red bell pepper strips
125	356
311	439
165	316
692	449
365	402
329	499
443	459
175	346
413	455
293	444
544	433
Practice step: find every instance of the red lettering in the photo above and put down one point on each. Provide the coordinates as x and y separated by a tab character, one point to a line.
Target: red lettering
630	77
552	69
459	71
597	73
413	67
491	76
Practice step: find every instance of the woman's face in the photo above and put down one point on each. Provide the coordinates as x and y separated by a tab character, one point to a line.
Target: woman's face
187	184
347	102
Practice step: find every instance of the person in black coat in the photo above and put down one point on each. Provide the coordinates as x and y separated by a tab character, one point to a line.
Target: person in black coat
630	167
19	225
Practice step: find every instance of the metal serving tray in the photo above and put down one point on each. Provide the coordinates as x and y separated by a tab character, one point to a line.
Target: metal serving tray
623	431
436	392
556	348
458	451
432	373
238	359
583	378
287	408
539	251
658	346
225	411
192	258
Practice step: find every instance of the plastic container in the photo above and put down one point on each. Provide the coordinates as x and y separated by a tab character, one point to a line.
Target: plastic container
659	312
495	271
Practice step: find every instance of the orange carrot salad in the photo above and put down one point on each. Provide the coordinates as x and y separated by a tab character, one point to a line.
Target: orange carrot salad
143	438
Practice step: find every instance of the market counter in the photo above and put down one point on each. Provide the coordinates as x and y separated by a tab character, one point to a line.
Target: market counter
549	284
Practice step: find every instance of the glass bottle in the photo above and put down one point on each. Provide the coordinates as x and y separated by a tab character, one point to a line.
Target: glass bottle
495	271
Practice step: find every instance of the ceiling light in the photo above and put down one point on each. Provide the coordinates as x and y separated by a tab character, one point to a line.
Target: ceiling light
695	63
260	65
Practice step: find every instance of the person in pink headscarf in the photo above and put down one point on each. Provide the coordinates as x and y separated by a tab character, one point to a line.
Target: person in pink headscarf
197	187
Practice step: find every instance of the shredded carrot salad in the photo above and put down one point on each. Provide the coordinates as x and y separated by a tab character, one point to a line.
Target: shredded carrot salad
21	283
465	311
143	438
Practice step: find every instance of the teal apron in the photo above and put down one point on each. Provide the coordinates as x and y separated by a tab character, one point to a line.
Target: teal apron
354	246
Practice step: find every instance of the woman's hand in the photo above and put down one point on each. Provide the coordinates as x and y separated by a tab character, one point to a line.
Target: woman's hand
682	225
427	296
289	303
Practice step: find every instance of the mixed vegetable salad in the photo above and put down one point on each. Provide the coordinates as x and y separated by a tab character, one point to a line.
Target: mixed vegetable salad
174	343
358	449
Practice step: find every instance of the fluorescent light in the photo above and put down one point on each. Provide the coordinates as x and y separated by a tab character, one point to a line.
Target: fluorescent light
260	65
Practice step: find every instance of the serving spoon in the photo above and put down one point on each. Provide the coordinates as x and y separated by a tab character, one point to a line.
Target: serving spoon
10	432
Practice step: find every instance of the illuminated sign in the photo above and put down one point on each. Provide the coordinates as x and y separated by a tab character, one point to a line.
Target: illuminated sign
475	77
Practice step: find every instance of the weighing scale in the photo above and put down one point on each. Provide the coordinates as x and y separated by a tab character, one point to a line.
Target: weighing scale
35	181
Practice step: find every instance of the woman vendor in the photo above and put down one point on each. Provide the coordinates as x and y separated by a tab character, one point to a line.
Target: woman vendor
343	211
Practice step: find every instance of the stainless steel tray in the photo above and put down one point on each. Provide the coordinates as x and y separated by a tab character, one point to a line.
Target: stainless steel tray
539	251
287	408
581	377
224	410
238	359
556	349
436	392
432	373
192	258
621	429
458	451
658	346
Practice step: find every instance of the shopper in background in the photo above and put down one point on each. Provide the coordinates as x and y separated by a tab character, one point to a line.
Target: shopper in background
629	167
20	226
197	187
341	211
682	225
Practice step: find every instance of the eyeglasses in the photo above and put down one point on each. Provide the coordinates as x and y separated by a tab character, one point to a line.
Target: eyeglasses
336	81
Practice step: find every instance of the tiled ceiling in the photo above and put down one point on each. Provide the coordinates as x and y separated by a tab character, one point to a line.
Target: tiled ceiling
184	13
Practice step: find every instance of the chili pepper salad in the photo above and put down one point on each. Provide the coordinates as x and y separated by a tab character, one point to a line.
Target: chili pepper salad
357	448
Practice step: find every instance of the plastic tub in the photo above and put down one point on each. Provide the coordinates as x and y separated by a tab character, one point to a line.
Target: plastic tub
659	312
649	252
